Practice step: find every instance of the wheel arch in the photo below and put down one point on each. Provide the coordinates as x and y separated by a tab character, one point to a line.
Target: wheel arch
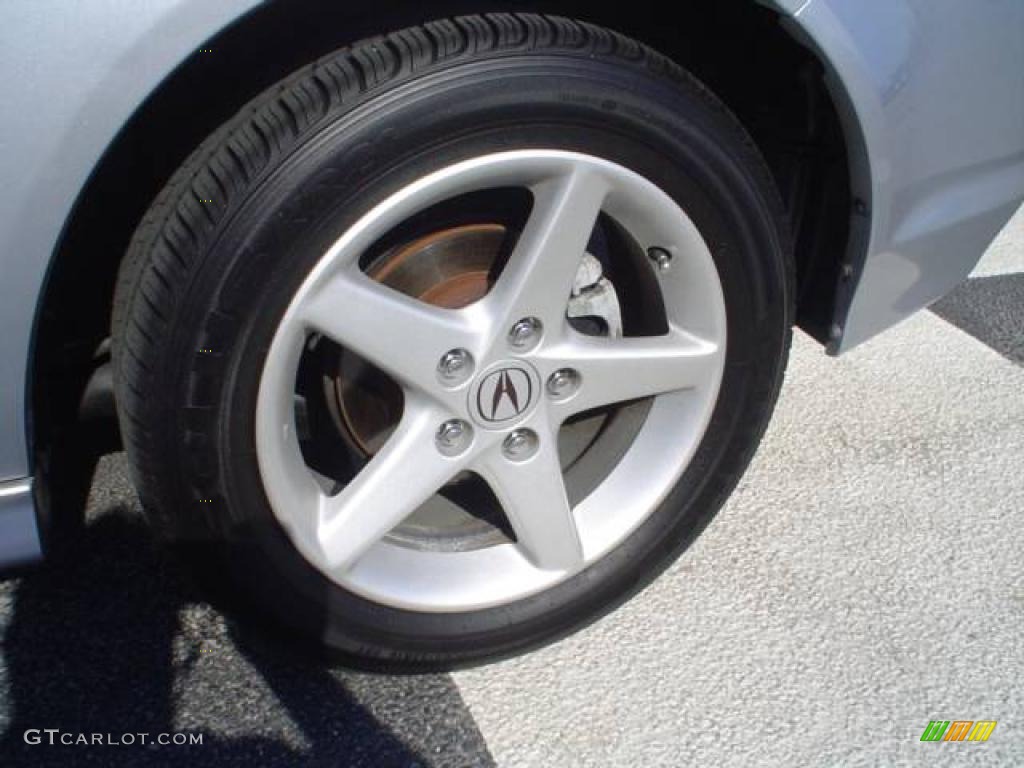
774	84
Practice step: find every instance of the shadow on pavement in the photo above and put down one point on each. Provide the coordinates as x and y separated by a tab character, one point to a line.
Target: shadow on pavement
113	637
991	309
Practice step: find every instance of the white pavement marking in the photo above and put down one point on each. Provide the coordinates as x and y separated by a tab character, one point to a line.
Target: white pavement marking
866	577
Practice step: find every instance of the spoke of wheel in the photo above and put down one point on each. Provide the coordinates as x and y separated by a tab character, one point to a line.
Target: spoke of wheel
406	472
400	335
532	493
616	370
538	278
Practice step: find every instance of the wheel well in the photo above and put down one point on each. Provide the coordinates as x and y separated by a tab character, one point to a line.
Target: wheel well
739	49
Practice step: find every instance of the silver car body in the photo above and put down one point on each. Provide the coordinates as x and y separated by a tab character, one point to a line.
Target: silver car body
930	95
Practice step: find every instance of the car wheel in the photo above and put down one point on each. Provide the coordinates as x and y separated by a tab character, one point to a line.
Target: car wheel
454	339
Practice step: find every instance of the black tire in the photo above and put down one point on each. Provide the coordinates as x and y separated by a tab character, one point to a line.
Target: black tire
225	245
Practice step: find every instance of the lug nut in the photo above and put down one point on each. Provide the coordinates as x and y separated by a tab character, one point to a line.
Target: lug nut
520	445
660	256
563	383
525	333
453	437
455	367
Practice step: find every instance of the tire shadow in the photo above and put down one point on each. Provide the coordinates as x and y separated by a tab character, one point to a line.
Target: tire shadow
112	636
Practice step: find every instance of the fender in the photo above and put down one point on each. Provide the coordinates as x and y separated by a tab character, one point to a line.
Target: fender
927	202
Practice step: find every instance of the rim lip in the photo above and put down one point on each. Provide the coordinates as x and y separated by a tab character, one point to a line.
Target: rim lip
661	451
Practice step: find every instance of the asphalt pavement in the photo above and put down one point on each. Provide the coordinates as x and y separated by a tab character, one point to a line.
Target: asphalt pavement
865	579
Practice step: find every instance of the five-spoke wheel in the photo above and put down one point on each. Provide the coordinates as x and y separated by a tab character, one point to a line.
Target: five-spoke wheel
488	386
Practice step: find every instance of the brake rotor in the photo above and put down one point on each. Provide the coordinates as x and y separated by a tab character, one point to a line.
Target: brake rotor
451	269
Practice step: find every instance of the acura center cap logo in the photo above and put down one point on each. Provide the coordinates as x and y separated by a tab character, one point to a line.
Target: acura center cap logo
505	393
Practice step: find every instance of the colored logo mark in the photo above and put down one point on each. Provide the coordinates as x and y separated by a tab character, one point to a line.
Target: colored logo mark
958	730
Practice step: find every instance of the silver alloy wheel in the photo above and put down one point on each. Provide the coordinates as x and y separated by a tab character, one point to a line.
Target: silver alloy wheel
508	412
